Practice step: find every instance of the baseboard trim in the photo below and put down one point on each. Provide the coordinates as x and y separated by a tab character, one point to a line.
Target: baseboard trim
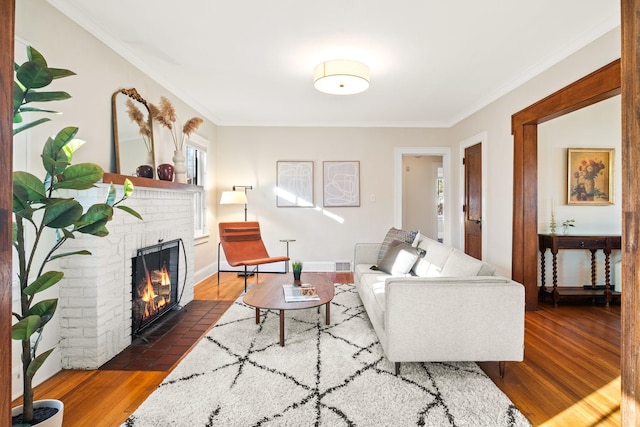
278	267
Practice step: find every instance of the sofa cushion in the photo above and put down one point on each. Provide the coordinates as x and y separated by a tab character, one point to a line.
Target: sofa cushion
487	270
361	270
434	259
373	288
395	234
399	258
460	264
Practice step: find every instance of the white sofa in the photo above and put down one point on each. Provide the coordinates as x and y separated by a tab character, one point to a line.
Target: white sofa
457	309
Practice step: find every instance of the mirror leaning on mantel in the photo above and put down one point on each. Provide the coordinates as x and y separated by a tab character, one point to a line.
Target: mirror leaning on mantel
132	134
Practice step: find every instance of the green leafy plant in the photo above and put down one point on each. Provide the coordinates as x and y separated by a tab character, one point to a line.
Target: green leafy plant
37	206
296	266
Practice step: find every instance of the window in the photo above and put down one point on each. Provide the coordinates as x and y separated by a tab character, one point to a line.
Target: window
196	159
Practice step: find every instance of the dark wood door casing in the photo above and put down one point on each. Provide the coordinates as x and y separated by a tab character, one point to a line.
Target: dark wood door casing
595	87
630	348
7	17
473	201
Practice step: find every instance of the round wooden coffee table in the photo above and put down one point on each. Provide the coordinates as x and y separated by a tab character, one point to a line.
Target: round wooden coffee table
269	295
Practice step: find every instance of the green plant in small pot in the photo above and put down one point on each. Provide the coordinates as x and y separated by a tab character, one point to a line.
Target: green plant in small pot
37	207
296	266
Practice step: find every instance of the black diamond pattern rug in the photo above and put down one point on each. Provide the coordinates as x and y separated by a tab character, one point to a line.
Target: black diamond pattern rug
325	375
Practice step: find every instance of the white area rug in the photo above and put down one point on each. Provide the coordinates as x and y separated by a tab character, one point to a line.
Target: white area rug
326	375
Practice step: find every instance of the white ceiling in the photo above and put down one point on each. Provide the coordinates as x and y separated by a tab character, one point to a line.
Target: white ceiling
433	63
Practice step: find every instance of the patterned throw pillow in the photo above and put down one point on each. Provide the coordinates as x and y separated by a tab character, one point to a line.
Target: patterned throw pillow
400	258
395	234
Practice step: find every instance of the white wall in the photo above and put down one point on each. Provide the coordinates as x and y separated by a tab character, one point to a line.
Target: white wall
495	120
248	155
100	73
596	126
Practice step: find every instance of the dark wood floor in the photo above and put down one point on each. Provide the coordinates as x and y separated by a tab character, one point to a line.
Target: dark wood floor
570	376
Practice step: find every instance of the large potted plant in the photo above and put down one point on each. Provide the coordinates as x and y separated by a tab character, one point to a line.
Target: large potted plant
39	209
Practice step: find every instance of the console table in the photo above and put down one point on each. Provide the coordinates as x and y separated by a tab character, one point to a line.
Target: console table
555	242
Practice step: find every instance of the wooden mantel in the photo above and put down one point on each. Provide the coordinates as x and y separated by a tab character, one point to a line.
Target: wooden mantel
118	179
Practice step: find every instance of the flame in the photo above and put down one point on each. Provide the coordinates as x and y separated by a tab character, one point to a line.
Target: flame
148	296
152	301
164	278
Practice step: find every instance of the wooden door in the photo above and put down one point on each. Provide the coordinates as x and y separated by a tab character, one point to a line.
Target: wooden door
473	200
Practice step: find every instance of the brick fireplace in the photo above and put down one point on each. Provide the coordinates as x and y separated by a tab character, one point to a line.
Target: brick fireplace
95	302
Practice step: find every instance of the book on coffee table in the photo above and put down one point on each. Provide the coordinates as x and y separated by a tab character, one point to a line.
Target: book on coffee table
293	293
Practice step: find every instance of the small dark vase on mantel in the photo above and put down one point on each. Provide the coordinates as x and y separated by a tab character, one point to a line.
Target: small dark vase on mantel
165	172
144	171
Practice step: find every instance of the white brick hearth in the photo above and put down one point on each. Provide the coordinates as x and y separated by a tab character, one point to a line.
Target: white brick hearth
95	294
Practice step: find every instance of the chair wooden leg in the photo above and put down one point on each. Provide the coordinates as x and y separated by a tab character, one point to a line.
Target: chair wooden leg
245	279
501	366
397	368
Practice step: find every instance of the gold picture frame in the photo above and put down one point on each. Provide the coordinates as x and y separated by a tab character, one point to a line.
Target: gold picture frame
590	176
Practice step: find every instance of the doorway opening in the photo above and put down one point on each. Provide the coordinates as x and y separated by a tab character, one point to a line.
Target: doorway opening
422	199
423	195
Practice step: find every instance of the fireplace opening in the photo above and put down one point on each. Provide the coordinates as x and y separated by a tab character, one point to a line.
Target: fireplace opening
155	283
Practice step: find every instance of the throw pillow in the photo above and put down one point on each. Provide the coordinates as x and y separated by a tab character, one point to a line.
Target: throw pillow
395	234
416	239
399	259
436	257
487	270
460	264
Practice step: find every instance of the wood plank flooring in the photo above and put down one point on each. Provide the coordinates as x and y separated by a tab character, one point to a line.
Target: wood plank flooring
570	376
571	372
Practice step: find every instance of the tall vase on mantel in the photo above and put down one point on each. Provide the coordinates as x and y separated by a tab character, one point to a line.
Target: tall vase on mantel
179	167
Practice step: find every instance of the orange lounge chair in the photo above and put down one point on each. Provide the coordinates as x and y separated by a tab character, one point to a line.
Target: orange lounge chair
243	246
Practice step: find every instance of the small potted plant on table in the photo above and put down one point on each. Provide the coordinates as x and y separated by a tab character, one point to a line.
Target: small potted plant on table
296	266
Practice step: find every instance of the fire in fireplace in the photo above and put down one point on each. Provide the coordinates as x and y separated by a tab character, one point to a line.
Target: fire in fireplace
155	283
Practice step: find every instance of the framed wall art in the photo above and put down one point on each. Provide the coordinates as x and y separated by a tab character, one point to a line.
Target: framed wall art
590	176
341	184
294	183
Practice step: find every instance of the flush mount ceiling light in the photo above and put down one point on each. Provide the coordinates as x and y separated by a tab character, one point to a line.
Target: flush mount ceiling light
341	77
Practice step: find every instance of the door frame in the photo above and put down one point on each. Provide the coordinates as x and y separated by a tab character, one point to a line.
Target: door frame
480	138
445	153
7	31
597	86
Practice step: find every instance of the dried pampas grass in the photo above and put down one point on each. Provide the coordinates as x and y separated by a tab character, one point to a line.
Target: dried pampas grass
166	116
136	116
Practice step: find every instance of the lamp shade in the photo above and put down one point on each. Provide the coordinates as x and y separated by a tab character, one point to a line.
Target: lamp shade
341	77
233	198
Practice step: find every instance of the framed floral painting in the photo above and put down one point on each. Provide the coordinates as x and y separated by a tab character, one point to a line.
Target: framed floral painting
590	176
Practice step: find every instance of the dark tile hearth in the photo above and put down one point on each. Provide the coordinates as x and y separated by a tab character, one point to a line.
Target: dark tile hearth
166	342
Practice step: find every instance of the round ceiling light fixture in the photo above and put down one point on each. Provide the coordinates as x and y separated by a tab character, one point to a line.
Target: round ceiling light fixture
341	77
